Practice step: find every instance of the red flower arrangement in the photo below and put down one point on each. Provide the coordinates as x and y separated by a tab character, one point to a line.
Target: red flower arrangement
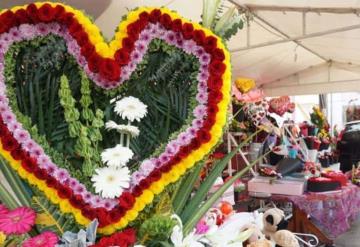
123	239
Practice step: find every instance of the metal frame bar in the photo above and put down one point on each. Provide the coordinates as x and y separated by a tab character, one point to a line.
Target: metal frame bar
242	7
318	10
297	39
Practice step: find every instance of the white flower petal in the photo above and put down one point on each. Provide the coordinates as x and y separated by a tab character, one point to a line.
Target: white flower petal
117	156
131	108
110	182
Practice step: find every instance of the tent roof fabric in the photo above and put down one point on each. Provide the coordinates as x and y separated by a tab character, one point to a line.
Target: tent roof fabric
288	46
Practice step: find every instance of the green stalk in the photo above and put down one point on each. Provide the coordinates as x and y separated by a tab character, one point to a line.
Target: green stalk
200	195
209	203
16	184
7	198
184	191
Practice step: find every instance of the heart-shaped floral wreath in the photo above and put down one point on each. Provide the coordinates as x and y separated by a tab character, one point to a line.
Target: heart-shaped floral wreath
109	66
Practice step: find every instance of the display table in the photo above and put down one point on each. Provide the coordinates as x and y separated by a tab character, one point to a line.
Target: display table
332	212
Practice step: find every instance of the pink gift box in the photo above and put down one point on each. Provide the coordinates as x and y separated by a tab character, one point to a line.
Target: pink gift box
281	187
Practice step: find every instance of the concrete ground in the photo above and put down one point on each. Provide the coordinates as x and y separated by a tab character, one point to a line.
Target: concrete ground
350	238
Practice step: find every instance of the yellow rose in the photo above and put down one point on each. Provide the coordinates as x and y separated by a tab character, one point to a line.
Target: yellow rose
244	84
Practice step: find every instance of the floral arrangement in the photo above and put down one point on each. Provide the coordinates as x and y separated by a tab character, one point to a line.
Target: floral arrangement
319	120
100	184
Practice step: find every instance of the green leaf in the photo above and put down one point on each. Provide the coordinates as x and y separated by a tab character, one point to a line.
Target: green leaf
50	217
205	186
198	213
186	186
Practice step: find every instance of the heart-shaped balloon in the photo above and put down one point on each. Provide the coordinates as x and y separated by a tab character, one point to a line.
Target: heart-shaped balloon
281	105
109	65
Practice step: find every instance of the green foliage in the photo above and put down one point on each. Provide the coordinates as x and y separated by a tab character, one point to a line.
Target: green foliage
156	228
84	127
50	218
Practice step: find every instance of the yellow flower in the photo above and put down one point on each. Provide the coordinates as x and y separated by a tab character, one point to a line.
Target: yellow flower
2	238
244	84
131	215
147	196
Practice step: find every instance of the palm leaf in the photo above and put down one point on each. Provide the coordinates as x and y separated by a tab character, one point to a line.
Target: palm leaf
50	218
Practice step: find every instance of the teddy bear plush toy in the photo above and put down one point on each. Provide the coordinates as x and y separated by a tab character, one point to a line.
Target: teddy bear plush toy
275	228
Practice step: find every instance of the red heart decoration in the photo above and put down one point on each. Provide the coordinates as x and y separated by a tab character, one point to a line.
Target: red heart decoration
109	66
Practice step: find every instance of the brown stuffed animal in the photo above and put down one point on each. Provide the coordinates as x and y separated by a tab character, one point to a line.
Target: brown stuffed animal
285	238
274	220
274	228
260	243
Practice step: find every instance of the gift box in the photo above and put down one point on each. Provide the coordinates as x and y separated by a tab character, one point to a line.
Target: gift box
282	187
322	184
336	176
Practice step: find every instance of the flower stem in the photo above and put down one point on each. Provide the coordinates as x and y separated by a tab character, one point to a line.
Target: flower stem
7	198
128	140
122	139
16	184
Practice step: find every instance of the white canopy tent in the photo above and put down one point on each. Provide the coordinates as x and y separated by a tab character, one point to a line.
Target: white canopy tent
289	47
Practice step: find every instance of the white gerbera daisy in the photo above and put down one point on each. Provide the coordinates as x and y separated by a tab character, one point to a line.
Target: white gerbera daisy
117	156
110	182
122	128
131	108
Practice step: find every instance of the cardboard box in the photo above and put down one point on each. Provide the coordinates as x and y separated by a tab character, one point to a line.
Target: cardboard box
280	186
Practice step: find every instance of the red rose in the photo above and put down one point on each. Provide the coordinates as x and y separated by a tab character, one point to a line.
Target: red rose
103	217
8	20
32	12
116	214
155	15
9	143
88	212
177	159
59	11
87	50
128	44
167	167
184	151
126	200
217	68
209	122
133	30
18	153
109	69
94	62
195	144
218	54
77	201
144	16
29	164
142	24
155	175
187	30
203	136
144	184
4	131
64	192
210	43
165	20
122	57
215	97
176	25
215	83
129	235
75	27
199	37
212	110
137	191
22	16
67	18
81	38
40	173
52	182
46	13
